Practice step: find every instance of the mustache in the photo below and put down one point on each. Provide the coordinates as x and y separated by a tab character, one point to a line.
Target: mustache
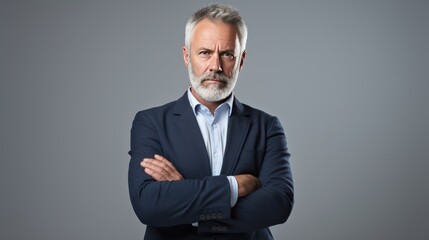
215	76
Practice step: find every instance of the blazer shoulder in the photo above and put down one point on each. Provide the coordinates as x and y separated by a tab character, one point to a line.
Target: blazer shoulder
255	112
161	111
260	117
158	109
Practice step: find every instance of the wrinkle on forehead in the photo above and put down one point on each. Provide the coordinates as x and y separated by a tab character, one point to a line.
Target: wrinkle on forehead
215	35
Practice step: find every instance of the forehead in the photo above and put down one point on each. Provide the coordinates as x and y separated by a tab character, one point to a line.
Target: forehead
213	32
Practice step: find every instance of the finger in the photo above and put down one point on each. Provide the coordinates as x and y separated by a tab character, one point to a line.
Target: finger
171	169
162	167
154	175
145	162
156	168
161	170
164	160
155	171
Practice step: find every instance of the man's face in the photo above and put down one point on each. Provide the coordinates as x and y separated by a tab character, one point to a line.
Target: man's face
213	60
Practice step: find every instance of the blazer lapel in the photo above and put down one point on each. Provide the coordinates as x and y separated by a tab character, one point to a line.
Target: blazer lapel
188	125
238	128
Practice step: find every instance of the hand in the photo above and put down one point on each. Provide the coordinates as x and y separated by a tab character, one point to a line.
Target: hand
247	184
160	169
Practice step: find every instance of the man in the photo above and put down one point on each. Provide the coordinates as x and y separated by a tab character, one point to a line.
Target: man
207	166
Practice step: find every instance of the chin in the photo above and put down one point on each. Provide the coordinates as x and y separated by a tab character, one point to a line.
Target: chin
212	94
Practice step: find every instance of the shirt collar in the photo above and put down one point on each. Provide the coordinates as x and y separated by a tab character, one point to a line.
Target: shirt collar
195	103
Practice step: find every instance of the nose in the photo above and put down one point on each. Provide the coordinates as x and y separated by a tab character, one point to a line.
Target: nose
215	64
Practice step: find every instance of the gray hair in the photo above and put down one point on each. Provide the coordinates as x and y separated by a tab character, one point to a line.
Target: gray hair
221	12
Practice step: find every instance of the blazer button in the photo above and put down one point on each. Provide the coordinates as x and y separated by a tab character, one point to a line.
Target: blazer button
224	228
219	215
208	216
214	228
202	217
214	216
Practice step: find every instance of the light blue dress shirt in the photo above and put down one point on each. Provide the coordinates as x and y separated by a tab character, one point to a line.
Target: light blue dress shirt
214	129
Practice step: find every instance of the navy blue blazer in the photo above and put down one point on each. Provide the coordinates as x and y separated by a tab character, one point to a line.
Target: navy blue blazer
256	144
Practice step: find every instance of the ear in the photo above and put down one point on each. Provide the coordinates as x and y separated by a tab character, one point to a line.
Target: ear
243	56
185	56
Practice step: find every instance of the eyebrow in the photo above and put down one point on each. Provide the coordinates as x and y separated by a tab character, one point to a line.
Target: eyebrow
210	50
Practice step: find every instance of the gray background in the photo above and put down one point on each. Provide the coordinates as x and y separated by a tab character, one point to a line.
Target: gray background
348	79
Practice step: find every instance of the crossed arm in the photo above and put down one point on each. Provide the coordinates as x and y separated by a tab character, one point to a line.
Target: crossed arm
161	169
161	196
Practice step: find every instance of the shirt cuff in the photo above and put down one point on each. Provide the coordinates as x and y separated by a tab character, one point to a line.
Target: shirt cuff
233	185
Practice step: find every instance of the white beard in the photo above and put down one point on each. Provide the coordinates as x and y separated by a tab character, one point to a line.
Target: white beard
212	92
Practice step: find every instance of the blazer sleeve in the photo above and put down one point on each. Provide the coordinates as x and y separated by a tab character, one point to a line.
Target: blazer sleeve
272	203
170	203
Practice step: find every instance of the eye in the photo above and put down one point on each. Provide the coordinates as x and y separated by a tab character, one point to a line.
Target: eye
227	55
203	53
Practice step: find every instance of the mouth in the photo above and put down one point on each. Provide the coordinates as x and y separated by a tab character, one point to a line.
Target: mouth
214	81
